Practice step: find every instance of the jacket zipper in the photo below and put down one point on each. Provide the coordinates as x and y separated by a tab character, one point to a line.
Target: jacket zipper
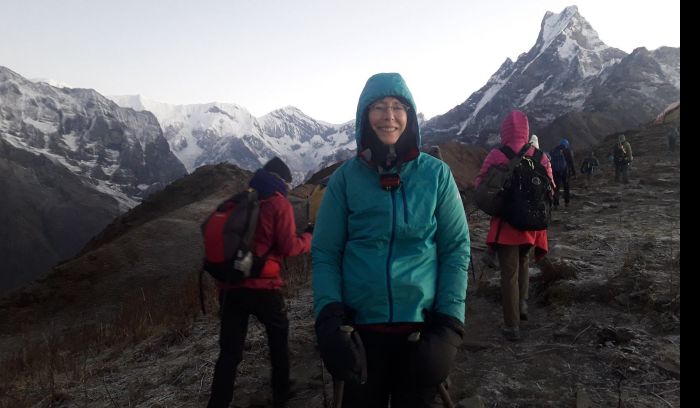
405	205
388	258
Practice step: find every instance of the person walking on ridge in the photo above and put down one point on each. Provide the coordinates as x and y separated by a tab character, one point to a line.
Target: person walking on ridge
262	296
511	244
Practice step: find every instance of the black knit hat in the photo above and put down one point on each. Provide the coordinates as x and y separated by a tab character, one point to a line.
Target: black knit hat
277	166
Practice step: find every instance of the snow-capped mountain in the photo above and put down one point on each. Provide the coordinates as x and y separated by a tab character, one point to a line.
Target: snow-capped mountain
221	132
53	82
70	161
569	69
121	152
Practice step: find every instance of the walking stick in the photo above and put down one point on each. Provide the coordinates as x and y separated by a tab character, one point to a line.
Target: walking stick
339	385
338	390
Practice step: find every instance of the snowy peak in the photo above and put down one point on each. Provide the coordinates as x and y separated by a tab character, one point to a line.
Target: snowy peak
570	38
223	132
53	82
293	123
570	23
568	69
120	152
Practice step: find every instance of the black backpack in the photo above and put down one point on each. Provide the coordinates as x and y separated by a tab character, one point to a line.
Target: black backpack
528	206
619	154
557	159
228	234
520	192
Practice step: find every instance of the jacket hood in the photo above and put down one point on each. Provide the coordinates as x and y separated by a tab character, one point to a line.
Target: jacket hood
267	184
515	130
380	86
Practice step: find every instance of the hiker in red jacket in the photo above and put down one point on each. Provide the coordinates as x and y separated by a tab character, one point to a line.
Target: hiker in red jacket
511	244
261	296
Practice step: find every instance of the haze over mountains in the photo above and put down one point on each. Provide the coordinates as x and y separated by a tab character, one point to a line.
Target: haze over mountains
74	159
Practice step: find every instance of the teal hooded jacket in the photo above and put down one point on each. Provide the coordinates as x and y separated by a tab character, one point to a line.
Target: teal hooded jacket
388	255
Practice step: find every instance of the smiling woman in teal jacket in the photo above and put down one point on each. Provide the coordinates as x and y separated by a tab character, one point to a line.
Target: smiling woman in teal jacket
390	257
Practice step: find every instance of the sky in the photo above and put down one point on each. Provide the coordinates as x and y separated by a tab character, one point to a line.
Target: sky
315	55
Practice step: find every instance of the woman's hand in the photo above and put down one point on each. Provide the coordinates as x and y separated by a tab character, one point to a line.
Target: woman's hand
340	345
432	357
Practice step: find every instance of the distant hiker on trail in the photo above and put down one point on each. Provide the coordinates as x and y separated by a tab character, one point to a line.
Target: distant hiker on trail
622	157
562	158
511	244
390	258
275	238
673	135
589	166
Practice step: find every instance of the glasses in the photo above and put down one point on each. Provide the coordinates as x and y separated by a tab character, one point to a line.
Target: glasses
396	109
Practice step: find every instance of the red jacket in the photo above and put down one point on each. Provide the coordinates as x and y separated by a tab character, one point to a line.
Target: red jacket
514	134
276	232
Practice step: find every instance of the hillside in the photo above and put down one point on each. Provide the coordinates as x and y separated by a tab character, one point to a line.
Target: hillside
604	328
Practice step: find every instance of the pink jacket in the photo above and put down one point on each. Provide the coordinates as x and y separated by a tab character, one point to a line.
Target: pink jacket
514	134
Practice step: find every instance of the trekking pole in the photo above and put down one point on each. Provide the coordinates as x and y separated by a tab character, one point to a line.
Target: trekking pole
446	400
339	385
201	292
323	387
471	264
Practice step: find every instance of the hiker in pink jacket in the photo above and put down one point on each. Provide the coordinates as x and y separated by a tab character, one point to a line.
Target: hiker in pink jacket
513	245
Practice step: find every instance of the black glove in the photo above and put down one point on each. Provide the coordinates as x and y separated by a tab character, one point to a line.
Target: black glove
341	348
309	228
431	358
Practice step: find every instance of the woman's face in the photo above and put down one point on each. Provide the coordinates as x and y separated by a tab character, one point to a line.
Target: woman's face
388	117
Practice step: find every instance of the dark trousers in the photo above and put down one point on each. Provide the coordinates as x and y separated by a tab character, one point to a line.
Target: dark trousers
561	179
621	172
269	308
387	379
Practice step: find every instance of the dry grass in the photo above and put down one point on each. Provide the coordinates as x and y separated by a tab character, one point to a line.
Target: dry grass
29	375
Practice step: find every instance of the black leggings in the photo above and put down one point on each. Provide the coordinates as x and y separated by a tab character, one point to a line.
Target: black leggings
386	376
269	308
561	179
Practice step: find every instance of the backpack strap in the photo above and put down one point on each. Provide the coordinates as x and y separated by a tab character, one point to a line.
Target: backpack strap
254	209
507	151
512	157
510	154
247	239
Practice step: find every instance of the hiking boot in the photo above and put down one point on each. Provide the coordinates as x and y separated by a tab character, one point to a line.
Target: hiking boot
523	310
512	333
